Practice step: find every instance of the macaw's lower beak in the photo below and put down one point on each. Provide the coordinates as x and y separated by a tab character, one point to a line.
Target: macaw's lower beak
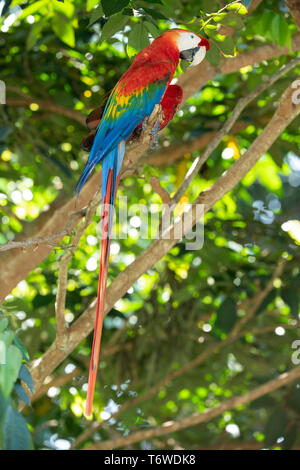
189	54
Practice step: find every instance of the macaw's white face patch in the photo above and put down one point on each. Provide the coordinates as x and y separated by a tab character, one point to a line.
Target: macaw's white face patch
192	47
187	40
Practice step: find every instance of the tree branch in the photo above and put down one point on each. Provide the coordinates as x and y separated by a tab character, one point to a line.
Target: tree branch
26	100
294	7
285	113
199	418
235	334
19	264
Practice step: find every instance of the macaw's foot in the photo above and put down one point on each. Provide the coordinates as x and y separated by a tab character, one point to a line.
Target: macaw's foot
144	123
154	134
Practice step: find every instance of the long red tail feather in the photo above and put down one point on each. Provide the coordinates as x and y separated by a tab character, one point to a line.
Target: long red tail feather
106	217
103	268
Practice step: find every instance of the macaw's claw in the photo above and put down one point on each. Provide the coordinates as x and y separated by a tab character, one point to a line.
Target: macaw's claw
154	134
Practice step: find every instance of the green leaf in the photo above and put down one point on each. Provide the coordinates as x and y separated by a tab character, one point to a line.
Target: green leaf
155	14
7	338
96	14
35	33
10	370
25	376
275	427
90	4
232	20
263	25
210	28
227	46
3	404
138	37
66	8
213	55
16	433
22	348
22	394
113	25
113	6
218	18
238	7
32	9
3	324
226	315
153	30
63	29
280	31
291	298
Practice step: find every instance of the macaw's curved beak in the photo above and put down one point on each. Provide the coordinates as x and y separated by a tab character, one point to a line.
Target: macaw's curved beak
189	54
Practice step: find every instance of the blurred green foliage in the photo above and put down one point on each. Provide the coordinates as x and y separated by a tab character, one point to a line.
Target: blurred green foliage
71	53
14	374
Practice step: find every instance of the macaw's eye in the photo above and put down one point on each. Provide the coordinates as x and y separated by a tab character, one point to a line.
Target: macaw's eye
192	36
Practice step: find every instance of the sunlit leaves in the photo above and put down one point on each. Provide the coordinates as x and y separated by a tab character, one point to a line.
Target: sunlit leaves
35	7
63	29
188	301
66	8
90	4
238	7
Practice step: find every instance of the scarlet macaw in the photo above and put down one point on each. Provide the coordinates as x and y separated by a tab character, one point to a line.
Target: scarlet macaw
145	84
170	104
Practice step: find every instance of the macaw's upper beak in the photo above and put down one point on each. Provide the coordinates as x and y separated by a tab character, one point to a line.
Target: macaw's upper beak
189	54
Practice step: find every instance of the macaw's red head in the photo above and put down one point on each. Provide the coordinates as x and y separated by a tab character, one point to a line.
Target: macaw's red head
192	47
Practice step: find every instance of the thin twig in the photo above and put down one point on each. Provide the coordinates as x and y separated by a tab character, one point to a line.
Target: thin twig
50	240
60	302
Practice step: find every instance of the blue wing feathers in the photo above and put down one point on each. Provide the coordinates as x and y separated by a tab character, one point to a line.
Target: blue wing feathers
113	131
